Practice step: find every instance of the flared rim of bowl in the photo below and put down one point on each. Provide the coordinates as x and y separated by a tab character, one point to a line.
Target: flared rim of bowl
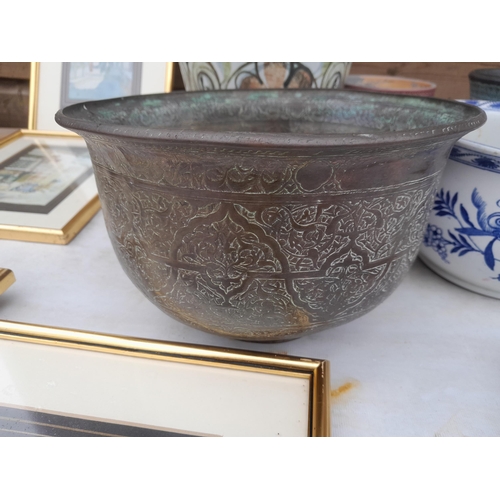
81	119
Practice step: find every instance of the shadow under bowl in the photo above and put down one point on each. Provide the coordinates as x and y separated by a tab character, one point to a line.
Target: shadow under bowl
268	215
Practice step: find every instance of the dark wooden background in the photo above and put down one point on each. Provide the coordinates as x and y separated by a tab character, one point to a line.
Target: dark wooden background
14	94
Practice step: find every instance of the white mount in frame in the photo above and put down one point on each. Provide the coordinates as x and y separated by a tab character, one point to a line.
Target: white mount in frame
187	389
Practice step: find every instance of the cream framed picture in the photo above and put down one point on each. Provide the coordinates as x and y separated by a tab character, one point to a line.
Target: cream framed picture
60	382
55	85
7	279
47	187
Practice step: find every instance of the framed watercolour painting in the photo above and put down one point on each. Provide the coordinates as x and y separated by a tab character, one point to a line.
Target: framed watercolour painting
47	187
61	382
55	85
7	279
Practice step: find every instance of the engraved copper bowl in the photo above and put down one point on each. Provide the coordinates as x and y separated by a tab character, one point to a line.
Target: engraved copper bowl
268	215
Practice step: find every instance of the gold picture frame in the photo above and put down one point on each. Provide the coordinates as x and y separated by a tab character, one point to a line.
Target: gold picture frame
74	201
7	279
47	83
160	386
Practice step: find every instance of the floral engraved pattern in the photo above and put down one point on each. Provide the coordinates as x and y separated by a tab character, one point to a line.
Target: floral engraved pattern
250	252
305	233
244	179
226	253
242	175
481	236
294	265
346	284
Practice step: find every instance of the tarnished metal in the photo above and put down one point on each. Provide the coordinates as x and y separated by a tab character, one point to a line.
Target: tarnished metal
267	215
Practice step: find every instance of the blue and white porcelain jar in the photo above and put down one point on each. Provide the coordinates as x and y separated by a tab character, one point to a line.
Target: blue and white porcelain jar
462	238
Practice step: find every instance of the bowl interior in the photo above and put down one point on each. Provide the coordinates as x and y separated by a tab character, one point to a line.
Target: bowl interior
298	113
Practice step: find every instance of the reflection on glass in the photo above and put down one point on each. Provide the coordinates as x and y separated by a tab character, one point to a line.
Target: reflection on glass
84	81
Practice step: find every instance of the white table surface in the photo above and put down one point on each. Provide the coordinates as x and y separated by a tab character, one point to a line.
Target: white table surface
424	363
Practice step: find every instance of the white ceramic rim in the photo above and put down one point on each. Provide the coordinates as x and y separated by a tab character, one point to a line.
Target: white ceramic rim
474	145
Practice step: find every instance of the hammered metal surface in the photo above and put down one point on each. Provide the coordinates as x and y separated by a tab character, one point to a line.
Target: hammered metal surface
265	243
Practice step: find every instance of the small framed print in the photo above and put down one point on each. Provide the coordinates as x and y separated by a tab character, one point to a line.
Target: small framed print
47	187
55	85
7	279
61	382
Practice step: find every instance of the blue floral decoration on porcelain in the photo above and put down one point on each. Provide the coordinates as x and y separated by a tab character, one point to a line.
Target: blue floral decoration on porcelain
474	159
465	238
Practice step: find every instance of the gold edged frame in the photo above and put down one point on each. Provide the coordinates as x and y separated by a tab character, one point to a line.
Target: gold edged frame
60	236
7	279
34	92
316	372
